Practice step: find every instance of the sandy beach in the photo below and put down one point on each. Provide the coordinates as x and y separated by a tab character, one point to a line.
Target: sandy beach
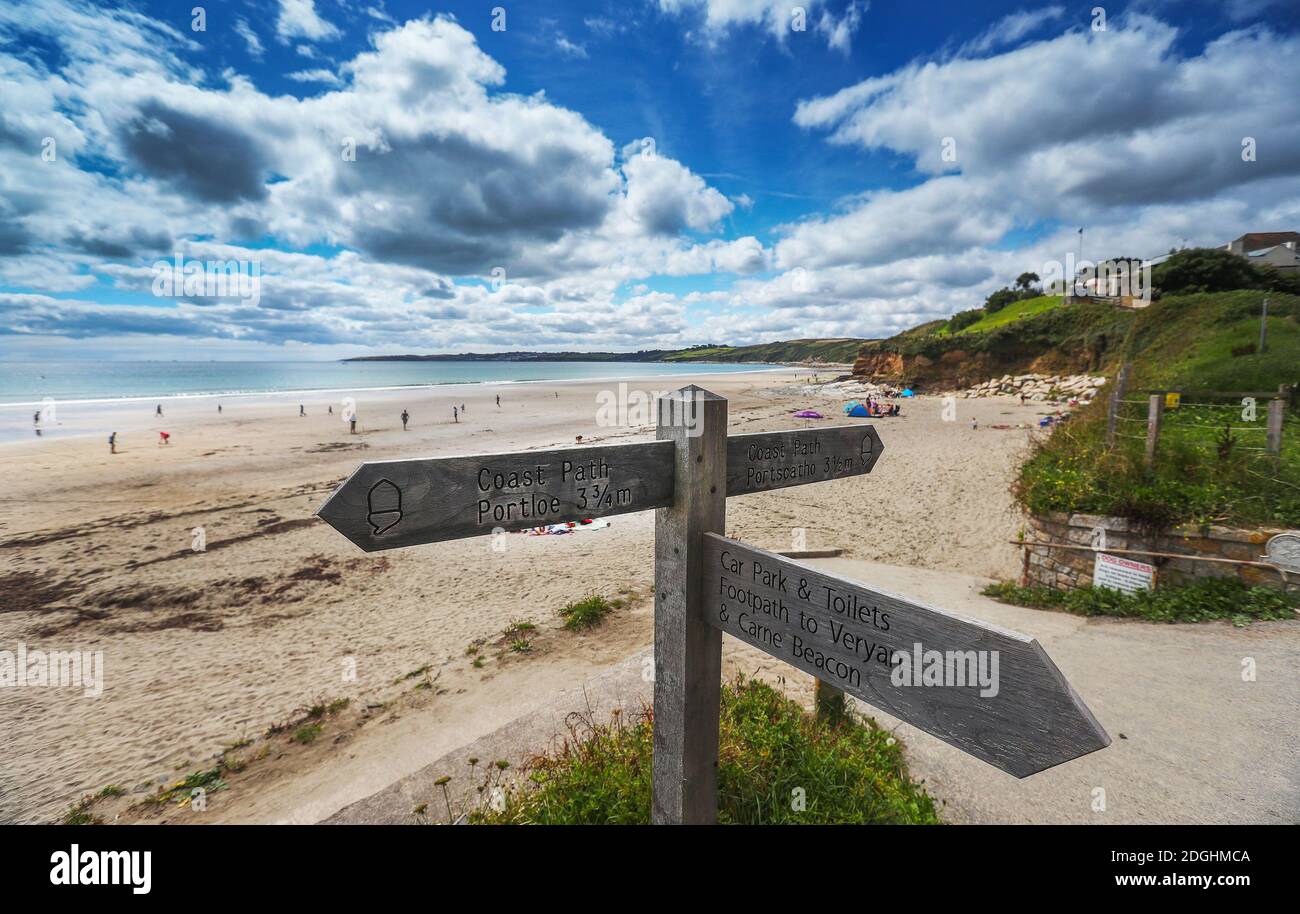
205	649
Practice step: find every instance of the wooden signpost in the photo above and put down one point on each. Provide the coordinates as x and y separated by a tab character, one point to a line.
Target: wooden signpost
991	692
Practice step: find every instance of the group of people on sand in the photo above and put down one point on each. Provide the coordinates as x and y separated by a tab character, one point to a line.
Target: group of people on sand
878	409
164	438
456	413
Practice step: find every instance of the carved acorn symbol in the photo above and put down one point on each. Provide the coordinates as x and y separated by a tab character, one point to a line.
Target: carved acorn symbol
385	506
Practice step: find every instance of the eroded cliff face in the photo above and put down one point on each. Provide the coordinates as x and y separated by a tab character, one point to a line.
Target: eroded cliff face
959	368
878	365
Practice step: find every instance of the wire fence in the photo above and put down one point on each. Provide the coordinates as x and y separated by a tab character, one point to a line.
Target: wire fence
1258	426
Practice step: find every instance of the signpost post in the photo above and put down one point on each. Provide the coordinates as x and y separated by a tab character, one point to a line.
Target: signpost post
991	692
688	651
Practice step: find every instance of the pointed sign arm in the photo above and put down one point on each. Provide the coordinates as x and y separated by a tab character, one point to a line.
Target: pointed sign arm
991	692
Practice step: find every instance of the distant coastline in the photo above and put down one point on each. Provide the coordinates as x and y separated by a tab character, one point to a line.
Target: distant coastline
809	352
25	386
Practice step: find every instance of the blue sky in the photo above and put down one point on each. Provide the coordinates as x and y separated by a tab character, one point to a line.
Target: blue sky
409	178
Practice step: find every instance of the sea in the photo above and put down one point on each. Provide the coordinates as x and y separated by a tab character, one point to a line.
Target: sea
80	396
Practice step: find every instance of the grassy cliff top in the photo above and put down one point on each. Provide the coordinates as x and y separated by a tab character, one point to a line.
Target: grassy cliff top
833	351
1210	466
1208	341
1198	341
1016	311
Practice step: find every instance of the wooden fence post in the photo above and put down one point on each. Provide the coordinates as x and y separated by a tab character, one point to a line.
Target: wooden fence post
1155	416
1276	413
832	704
1116	395
1263	326
688	650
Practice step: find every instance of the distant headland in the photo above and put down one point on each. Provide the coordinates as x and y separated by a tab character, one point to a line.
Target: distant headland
842	351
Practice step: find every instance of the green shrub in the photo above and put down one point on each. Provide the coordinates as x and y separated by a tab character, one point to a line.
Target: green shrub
1200	601
769	748
1215	270
964	319
999	300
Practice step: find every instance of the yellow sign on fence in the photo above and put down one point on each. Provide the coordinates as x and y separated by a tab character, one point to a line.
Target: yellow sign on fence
1172	398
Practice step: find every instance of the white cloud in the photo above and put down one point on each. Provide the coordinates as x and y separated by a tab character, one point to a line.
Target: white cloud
839	31
451	178
455	175
664	197
1153	127
942	216
779	18
378	12
1147	159
299	19
1011	28
328	77
1151	124
251	41
568	48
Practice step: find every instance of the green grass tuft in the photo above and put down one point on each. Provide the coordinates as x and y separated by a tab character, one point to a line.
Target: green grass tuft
586	613
307	733
774	758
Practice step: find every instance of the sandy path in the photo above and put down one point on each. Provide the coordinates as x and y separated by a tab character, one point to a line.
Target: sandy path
201	649
1191	741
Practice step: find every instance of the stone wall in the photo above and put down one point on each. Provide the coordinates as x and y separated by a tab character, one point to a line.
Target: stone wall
1069	568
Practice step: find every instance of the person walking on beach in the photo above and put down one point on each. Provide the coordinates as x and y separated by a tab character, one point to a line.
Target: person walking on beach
462	407
112	443
352	425
158	411
498	401
455	416
218	409
164	438
302	410
406	417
